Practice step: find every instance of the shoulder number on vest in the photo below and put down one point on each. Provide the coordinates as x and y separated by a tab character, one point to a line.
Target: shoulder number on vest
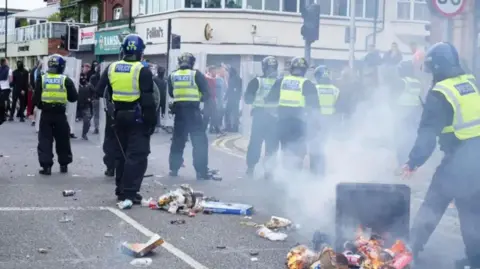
123	68
464	88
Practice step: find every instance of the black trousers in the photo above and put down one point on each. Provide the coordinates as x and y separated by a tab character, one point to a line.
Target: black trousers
54	127
232	115
109	144
264	129
18	97
131	156
292	135
456	178
4	101
189	121
87	118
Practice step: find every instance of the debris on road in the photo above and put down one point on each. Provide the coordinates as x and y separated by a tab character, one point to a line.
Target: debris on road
68	193
227	208
141	262
279	223
66	219
148	175
178	221
182	200
108	235
250	224
271	235
254	259
139	250
253	253
42	251
221	247
127	204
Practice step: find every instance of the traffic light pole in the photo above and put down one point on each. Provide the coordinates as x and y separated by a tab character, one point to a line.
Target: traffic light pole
308	51
351	44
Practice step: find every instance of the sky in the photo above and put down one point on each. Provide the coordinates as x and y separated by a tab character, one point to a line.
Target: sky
23	4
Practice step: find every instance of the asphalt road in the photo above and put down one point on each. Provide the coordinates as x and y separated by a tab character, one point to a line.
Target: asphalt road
32	210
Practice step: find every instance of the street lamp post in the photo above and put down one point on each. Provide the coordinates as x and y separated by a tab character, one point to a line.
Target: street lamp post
6	26
352	34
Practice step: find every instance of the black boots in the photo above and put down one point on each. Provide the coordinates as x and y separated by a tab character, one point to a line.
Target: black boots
46	171
109	172
63	169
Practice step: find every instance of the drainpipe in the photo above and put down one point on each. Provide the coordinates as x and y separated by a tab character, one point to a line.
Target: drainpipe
375	22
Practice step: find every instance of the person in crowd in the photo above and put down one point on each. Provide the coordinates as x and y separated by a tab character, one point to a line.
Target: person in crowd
86	95
6	77
161	83
94	78
392	57
220	93
210	105
19	93
34	74
233	96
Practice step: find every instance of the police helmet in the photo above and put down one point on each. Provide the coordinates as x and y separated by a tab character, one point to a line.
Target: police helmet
56	64
298	66
269	66
321	72
441	58
405	69
133	45
186	60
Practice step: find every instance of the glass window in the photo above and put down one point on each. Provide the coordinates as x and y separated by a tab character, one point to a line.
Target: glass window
370	7
273	5
94	14
403	9
325	7
117	12
290	5
193	3
421	11
359	8
142	7
234	3
213	4
162	7
178	4
255	4
340	7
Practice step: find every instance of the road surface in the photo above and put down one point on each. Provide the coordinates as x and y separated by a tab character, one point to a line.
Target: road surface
33	210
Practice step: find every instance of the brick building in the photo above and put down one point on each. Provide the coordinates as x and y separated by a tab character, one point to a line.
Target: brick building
116	9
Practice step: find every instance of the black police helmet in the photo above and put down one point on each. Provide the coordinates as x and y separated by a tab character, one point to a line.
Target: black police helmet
298	66
321	72
441	58
186	60
269	66
405	69
56	64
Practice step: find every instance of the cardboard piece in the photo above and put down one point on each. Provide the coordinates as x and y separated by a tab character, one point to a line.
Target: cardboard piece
227	208
139	250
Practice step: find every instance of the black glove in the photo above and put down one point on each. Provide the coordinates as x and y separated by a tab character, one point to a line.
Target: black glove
150	117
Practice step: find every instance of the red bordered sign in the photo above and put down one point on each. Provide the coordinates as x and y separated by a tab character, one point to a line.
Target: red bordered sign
449	8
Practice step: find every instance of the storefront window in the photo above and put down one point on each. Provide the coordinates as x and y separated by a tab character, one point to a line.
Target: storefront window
254	4
325	7
416	10
340	7
290	5
273	5
234	3
213	4
193	3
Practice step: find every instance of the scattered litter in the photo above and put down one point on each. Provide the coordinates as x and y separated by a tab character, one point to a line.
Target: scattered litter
210	199
278	223
42	251
66	219
108	235
127	204
227	208
254	253
221	247
182	200
30	175
254	259
178	221
67	193
247	217
271	235
141	262
250	224
146	203
139	250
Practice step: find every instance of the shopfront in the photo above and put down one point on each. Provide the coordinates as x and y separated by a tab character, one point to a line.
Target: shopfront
154	35
108	43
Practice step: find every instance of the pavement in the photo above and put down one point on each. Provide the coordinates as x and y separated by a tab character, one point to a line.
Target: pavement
33	211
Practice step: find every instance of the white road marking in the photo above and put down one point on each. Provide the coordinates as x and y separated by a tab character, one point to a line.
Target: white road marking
78	208
169	247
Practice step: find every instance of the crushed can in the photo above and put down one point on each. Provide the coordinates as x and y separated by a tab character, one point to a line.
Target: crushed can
67	193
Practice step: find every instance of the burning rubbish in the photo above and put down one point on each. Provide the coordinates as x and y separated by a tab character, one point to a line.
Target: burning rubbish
365	252
139	250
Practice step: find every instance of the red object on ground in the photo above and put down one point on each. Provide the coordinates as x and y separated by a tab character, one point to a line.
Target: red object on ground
29	103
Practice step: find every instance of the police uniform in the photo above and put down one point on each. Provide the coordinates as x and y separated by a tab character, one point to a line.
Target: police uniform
451	112
188	87
130	85
293	94
264	117
53	91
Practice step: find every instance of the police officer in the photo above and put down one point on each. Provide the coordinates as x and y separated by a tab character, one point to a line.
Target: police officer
264	119
188	87
408	108
130	85
294	94
451	112
320	127
53	91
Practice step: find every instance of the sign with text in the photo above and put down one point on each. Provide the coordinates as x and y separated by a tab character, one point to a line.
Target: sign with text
154	32
108	42
448	8
87	35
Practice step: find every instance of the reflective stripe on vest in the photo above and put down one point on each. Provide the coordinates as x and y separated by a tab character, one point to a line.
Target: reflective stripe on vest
264	87
327	96
411	93
53	89
291	92
124	78
185	89
465	100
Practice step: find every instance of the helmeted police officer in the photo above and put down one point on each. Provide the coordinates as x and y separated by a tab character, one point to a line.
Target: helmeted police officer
188	87
130	85
264	117
451	112
53	91
320	127
408	108
293	94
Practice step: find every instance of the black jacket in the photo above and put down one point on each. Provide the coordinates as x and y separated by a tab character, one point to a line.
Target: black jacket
85	96
20	80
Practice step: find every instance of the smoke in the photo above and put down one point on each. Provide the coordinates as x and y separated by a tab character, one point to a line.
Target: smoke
360	149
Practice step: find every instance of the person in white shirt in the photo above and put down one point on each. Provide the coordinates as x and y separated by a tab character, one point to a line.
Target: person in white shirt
6	76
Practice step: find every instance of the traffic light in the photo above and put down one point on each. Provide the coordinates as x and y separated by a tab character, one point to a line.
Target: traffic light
311	23
428	29
176	41
63	42
73	35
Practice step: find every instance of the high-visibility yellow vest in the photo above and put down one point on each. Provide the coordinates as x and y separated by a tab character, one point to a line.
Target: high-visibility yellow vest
264	87
53	89
464	97
327	96
185	89
124	78
291	92
411	93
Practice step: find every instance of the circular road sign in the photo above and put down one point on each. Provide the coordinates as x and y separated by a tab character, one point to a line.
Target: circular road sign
449	8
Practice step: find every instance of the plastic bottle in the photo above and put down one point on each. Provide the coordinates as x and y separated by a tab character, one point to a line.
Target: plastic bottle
141	262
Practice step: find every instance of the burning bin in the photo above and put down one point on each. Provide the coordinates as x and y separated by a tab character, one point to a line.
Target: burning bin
383	208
